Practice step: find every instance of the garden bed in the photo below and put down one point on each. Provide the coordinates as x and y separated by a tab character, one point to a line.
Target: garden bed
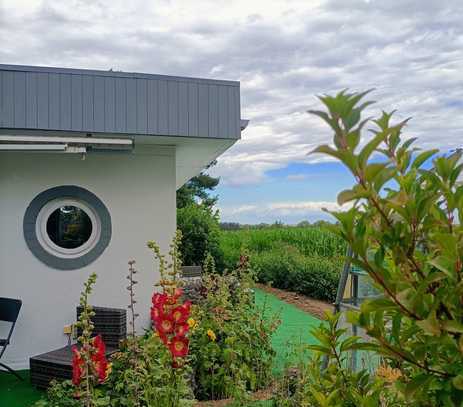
261	396
295	325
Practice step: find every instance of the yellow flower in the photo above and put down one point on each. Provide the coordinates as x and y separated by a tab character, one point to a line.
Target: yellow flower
211	335
192	323
109	369
389	374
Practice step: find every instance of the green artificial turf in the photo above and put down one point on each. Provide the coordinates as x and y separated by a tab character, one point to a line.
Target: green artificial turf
16	393
294	330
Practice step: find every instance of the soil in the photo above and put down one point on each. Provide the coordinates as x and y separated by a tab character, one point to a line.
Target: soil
316	308
260	395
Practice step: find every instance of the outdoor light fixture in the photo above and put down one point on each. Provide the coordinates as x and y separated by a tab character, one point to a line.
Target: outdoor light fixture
72	145
243	124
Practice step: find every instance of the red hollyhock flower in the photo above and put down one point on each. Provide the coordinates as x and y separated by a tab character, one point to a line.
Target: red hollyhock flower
99	347
187	306
156	314
178	293
179	314
182	329
159	299
99	358
179	346
101	368
171	299
77	363
165	325
164	339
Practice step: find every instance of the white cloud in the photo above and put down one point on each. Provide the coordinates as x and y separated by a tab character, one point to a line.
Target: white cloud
284	52
276	209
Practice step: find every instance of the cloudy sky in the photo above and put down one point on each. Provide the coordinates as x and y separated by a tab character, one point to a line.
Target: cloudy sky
284	53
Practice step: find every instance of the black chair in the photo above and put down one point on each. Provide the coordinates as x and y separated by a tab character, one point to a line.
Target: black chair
9	311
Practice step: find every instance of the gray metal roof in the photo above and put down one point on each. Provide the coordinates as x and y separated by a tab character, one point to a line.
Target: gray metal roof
88	101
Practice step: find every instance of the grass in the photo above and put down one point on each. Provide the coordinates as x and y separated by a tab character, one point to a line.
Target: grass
294	329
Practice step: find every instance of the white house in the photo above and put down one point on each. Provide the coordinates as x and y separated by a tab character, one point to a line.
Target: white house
89	165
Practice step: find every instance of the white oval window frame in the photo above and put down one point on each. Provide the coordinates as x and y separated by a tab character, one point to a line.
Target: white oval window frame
51	247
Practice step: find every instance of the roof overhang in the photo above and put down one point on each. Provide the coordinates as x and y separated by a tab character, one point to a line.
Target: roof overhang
192	155
60	110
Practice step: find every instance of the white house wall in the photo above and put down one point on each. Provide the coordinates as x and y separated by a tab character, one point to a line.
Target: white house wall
139	191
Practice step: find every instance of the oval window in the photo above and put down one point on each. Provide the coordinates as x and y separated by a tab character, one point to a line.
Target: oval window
69	227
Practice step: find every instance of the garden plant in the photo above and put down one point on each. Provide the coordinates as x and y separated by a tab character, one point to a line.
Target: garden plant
219	347
231	341
404	227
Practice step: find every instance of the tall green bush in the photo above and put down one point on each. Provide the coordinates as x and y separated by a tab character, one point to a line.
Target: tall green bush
285	267
405	231
201	235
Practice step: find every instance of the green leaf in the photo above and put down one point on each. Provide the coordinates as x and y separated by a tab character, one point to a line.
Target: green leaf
422	157
443	264
351	120
430	325
325	116
408	143
452	326
379	304
348	343
346	196
353	139
416	383
372	170
457	382
318	348
325	149
370	147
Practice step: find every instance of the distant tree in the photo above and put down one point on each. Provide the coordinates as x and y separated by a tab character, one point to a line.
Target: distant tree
230	226
304	224
201	235
198	190
198	220
322	223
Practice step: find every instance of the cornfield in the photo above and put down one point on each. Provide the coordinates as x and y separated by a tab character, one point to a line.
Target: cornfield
303	259
310	241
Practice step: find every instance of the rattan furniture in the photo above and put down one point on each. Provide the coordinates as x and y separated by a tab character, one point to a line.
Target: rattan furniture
110	323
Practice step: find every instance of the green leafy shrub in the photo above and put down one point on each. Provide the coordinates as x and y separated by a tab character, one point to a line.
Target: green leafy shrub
334	385
231	340
284	267
201	234
145	377
405	232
